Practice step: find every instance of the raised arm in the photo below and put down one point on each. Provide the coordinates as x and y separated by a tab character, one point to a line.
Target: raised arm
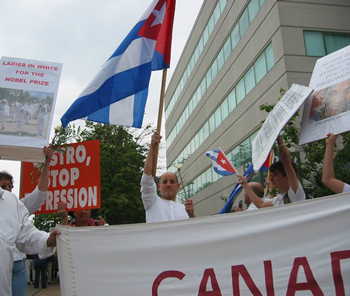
61	211
287	164
256	200
328	177
43	183
156	137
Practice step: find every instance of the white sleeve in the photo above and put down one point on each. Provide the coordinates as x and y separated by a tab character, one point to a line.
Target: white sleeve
34	200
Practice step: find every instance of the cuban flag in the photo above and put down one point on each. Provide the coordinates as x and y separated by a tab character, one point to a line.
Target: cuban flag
118	93
249	173
221	163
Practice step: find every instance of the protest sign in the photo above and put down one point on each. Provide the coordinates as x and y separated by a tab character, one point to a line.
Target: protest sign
74	178
275	121
296	249
28	91
328	109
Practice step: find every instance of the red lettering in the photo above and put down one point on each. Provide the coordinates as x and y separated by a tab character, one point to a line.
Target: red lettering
166	274
209	273
39	82
310	285
270	291
241	269
337	277
18	80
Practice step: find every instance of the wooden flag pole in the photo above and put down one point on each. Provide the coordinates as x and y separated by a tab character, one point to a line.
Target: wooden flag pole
268	173
159	123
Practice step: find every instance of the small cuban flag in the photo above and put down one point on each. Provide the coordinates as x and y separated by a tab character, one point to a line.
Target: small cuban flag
221	163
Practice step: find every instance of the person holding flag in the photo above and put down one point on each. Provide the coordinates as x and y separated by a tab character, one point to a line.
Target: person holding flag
165	208
283	177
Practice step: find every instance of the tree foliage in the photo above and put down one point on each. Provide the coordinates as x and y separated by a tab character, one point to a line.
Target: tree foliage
310	166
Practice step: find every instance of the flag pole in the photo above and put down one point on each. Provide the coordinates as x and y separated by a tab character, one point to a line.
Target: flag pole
159	123
268	173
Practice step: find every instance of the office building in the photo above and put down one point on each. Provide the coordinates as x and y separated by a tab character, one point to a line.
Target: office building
238	56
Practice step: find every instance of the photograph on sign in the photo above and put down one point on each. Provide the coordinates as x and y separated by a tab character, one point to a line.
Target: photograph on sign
28	91
328	109
275	121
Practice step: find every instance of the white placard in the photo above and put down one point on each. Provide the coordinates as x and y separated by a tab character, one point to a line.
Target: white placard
28	91
328	109
296	249
275	121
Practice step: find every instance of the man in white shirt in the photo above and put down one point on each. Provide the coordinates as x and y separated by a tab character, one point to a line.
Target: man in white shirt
32	202
165	208
16	230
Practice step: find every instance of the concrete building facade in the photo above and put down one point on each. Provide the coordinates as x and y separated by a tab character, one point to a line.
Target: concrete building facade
239	55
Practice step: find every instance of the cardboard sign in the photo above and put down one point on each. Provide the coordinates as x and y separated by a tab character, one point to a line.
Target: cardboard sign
28	91
74	178
275	121
328	109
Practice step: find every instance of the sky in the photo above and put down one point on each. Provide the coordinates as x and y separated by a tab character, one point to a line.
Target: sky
82	35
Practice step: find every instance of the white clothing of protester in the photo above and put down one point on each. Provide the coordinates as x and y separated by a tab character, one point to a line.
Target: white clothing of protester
32	202
159	209
293	196
253	207
16	230
346	188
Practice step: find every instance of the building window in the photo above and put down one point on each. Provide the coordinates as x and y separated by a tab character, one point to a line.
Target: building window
319	44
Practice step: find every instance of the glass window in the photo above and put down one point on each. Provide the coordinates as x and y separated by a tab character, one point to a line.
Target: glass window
235	37
206	130
200	136
253	8
220	59
249	79
224	109
215	176
243	22
260	68
211	25
314	44
208	176
269	57
232	100
335	42
214	70
236	157
245	150
218	118
227	48
216	13
203	87
200	46
212	125
205	35
196	141
208	77
240	91
262	2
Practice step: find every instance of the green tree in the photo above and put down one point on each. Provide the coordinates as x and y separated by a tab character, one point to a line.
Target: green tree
122	155
310	166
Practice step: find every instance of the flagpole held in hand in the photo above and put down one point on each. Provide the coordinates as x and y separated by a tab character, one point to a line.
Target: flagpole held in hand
159	123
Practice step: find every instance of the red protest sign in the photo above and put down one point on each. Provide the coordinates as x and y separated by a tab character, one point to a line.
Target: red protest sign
74	178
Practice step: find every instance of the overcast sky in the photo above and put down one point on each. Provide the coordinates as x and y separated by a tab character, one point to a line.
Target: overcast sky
82	35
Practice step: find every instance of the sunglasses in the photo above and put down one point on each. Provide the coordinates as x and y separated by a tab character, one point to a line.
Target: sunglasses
8	186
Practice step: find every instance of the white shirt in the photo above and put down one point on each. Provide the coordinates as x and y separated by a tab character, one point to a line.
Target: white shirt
293	196
346	187
159	209
33	202
17	230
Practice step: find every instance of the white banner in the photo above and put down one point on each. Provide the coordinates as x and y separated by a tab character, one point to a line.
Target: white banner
296	249
328	109
275	121
28	91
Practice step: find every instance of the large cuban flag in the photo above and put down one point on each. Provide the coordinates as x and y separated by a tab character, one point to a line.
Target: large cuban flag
118	93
